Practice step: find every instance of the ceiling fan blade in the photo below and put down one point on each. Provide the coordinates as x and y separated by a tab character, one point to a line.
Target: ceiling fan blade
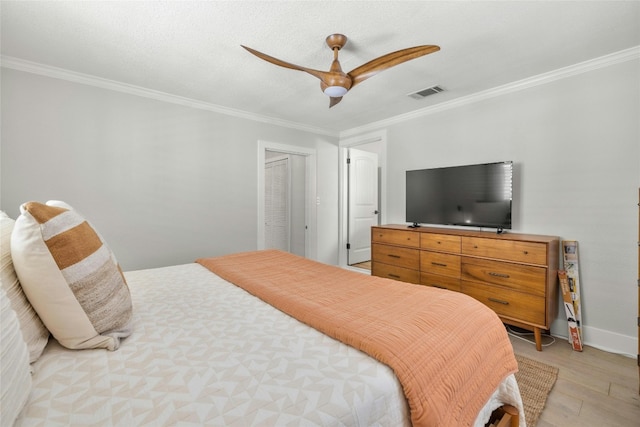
316	73
389	60
334	100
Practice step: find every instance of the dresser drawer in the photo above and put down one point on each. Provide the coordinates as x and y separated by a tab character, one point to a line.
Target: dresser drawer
438	281
524	278
509	303
510	250
396	273
396	237
402	257
440	242
439	263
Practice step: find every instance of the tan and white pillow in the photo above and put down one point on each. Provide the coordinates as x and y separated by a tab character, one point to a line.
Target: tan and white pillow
70	276
34	332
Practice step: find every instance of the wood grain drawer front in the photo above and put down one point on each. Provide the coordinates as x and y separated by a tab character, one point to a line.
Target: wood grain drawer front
396	273
439	263
396	237
510	250
524	278
508	303
438	281
402	257
440	242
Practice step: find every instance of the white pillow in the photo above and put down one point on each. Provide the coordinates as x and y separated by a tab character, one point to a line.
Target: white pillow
70	276
34	332
15	376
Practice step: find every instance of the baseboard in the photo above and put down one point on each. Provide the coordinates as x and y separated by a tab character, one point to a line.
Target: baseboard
607	341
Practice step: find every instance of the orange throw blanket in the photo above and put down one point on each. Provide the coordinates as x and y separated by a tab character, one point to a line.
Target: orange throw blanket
448	351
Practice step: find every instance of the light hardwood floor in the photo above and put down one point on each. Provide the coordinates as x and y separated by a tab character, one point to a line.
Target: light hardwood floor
594	388
366	265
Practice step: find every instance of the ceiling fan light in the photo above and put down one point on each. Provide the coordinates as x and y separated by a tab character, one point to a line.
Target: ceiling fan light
335	91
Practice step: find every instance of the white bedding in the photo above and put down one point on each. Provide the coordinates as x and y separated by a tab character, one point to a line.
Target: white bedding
204	352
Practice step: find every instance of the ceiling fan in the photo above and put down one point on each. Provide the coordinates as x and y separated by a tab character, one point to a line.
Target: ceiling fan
335	83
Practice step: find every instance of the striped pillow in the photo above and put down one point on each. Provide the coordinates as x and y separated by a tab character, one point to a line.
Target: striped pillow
70	276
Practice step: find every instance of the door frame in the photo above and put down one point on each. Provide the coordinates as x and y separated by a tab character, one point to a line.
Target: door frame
311	245
343	225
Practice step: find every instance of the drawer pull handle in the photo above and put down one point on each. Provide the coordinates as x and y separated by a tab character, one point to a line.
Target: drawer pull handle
504	276
526	252
393	256
395	276
438	264
438	286
499	301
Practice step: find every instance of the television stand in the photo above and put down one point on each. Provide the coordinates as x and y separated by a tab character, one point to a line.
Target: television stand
414	225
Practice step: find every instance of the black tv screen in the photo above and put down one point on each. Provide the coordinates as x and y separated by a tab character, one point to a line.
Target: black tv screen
471	195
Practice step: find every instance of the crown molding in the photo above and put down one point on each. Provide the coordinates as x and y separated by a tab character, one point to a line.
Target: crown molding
541	79
90	80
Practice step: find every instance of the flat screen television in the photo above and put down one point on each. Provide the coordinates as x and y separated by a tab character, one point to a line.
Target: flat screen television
471	195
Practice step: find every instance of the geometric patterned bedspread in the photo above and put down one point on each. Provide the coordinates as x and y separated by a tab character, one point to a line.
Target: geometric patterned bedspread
205	352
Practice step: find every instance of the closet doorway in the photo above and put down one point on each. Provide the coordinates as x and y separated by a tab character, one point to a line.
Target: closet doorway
284	202
286	195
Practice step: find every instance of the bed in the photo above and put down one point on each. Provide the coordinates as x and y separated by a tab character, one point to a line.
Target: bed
201	350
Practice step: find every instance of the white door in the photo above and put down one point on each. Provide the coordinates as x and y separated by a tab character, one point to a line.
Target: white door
363	203
276	204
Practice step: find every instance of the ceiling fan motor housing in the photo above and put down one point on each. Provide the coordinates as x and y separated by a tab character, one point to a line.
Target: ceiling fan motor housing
336	78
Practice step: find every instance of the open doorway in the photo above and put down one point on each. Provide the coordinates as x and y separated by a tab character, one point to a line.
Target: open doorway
363	193
286	199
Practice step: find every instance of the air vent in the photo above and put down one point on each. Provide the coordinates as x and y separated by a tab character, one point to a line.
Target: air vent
426	92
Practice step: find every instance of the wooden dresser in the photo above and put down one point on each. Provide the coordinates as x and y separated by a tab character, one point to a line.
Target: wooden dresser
516	275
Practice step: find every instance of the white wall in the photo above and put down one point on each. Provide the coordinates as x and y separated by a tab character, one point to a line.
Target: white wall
576	146
163	183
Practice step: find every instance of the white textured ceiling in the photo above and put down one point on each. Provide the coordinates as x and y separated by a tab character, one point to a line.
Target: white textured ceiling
192	49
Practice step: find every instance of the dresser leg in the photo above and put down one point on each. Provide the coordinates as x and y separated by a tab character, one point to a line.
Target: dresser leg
538	335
